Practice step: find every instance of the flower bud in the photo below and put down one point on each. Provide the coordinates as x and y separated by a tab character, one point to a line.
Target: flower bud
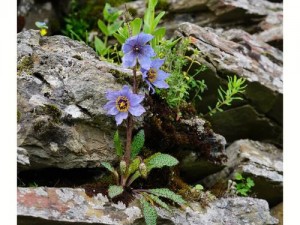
123	166
143	170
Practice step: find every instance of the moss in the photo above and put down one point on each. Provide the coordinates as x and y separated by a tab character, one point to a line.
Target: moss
25	64
122	78
53	111
18	116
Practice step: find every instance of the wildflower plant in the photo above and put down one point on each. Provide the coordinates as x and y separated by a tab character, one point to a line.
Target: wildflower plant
127	104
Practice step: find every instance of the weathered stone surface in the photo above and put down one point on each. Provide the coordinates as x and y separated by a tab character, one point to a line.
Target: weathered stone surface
32	11
72	205
277	212
61	88
260	161
237	52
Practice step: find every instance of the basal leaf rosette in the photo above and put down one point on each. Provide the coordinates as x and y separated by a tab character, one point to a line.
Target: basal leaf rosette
155	77
136	48
123	102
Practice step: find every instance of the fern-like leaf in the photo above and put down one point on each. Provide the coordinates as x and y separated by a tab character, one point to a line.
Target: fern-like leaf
159	202
166	193
149	212
160	160
137	143
118	144
115	190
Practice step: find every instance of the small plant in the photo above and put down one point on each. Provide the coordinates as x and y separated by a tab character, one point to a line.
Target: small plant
43	27
235	86
126	104
243	185
108	27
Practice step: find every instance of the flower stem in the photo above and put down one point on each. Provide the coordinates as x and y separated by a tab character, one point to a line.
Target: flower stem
130	124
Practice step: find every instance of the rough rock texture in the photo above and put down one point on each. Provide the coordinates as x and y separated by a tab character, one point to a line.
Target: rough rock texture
260	161
259	17
61	88
73	205
237	52
277	212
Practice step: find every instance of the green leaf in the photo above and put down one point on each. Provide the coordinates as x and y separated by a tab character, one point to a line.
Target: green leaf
238	176
166	193
103	27
158	18
149	212
100	46
134	165
114	27
159	160
137	143
250	182
115	190
158	201
121	39
108	166
136	26
118	144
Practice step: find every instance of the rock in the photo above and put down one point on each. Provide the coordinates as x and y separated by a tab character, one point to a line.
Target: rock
260	161
55	205
32	11
237	52
277	212
61	88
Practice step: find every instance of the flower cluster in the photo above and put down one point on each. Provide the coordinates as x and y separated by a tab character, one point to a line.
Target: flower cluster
136	51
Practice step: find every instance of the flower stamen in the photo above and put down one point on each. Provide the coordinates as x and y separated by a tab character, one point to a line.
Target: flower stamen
122	104
152	75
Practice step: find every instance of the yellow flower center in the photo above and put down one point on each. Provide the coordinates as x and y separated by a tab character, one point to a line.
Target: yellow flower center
122	104
152	75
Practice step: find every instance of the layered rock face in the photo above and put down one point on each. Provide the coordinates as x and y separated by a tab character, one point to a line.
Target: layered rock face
73	205
61	88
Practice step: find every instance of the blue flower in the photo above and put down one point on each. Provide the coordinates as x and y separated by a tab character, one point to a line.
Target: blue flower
136	48
154	76
123	101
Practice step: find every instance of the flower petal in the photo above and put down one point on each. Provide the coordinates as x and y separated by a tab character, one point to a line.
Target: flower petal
147	50
143	38
120	117
128	45
129	59
137	110
112	95
156	63
109	105
160	84
161	75
135	99
144	61
113	111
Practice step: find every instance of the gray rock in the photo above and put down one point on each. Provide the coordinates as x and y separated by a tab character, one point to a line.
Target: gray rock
56	205
237	52
260	161
61	88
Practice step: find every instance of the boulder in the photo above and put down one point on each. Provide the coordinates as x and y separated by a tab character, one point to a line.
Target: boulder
61	92
236	52
260	161
57	205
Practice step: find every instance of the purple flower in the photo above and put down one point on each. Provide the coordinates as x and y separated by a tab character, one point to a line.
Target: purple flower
122	102
136	48
154	76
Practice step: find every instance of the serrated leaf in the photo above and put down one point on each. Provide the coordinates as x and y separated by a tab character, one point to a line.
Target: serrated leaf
137	143
160	160
149	212
118	144
166	193
115	190
238	176
108	166
158	201
250	182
